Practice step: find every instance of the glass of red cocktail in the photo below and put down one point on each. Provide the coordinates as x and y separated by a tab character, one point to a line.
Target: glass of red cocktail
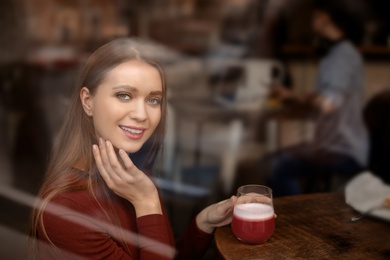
253	216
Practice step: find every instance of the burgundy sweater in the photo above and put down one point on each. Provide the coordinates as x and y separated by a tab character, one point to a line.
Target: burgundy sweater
80	228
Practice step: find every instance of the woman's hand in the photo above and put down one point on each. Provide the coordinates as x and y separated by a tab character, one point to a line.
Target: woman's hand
216	215
126	180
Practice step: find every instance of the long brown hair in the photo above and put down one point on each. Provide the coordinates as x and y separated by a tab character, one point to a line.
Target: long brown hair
73	146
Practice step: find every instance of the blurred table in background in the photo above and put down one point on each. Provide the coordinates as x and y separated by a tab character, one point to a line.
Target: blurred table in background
241	123
276	114
205	110
313	226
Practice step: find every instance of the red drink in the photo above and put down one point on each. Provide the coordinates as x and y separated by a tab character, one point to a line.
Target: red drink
253	222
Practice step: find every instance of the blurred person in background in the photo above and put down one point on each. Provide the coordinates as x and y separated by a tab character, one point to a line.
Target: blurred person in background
96	202
340	143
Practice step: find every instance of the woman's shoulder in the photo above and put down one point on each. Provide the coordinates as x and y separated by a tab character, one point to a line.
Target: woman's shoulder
77	212
81	194
80	200
76	218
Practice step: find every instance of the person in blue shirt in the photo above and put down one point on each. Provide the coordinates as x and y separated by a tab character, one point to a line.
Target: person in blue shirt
340	142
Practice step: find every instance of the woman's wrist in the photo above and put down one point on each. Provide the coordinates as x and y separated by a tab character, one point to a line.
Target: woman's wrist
203	224
147	208
148	205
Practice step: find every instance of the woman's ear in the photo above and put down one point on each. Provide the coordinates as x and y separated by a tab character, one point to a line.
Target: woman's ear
86	101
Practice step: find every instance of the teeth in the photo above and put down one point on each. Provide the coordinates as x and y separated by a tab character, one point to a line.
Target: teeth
133	131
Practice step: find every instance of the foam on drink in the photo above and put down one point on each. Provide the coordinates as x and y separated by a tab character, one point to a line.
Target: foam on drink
253	222
253	211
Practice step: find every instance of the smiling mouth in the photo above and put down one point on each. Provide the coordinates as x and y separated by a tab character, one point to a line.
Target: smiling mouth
132	130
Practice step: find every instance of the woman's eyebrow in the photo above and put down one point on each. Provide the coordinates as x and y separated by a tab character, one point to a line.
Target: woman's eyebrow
127	87
156	93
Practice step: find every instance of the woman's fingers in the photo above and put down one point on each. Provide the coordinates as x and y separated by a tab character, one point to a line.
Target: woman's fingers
102	170
113	159
126	170
127	162
226	206
104	155
125	179
104	165
110	161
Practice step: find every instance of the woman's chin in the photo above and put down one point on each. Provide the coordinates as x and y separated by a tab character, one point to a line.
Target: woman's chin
128	147
132	149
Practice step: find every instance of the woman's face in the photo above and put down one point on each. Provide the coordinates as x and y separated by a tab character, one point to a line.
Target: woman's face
126	108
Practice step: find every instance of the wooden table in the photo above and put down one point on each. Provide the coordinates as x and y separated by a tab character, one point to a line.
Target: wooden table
313	226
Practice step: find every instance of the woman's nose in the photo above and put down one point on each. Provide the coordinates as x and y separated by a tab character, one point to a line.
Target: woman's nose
138	112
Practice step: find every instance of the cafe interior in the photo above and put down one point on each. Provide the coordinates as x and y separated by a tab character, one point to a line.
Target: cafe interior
226	125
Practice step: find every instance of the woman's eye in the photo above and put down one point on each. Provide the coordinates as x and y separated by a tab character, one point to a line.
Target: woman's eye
154	101
123	96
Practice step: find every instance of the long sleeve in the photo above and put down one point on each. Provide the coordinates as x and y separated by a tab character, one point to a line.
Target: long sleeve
193	244
154	238
77	227
70	231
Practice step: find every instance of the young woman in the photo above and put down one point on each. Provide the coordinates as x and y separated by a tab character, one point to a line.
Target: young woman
97	202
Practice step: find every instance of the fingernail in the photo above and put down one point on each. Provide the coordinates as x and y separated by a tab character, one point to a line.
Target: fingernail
94	147
100	140
108	143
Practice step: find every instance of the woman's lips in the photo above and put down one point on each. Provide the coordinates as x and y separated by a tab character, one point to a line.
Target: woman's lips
134	133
